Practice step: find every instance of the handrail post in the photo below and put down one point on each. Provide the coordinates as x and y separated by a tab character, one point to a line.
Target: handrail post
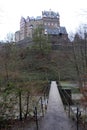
36	118
77	116
42	107
69	109
44	96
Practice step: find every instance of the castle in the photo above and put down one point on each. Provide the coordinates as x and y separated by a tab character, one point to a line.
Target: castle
51	23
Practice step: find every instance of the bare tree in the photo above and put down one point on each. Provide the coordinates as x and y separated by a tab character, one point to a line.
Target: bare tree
9	37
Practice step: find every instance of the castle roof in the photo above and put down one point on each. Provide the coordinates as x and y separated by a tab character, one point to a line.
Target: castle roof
50	14
55	31
23	19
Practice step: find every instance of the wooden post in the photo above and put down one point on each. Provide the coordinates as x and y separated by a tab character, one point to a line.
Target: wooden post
42	107
36	118
44	96
69	109
77	116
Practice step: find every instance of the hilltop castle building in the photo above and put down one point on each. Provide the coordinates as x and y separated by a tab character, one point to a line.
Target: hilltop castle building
51	23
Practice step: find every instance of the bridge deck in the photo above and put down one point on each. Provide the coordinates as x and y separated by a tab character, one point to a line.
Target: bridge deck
55	118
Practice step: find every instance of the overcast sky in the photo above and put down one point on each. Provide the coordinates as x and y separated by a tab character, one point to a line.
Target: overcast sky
72	13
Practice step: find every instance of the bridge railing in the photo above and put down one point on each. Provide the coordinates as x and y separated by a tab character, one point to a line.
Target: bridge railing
76	112
41	106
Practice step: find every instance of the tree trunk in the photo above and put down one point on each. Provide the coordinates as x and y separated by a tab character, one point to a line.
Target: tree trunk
77	66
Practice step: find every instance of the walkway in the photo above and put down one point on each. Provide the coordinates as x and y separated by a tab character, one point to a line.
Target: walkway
55	118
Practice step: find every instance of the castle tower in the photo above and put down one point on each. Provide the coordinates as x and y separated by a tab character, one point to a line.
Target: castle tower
23	28
51	19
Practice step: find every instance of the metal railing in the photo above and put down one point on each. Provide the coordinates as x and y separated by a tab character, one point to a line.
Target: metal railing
77	114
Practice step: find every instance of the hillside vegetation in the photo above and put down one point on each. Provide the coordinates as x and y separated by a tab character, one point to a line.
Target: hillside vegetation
24	64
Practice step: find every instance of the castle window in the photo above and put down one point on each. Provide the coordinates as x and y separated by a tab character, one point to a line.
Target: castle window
45	32
60	34
52	24
31	26
55	24
45	23
48	24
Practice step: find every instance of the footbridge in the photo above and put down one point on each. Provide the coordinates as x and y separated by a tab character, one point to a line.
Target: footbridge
55	117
